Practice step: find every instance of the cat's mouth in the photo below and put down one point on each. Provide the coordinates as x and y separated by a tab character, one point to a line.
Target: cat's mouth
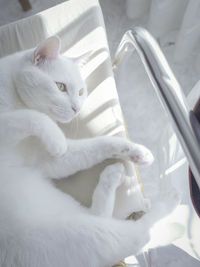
62	117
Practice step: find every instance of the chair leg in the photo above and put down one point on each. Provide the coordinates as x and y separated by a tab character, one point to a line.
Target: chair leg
25	4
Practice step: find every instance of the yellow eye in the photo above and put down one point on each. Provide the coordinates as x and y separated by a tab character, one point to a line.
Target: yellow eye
61	87
80	92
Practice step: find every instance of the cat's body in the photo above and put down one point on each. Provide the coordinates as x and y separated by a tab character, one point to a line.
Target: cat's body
39	225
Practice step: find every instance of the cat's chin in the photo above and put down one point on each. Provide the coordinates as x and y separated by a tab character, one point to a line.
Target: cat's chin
63	120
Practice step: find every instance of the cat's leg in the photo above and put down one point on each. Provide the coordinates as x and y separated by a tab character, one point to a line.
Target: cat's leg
85	153
104	194
17	125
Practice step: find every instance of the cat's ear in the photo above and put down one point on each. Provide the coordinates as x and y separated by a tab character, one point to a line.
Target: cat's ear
82	60
49	49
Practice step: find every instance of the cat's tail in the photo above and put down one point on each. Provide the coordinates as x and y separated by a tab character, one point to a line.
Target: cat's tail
79	240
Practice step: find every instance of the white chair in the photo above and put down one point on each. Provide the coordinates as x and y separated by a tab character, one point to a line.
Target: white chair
186	124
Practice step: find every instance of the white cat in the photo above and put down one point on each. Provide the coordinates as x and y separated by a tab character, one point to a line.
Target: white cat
39	225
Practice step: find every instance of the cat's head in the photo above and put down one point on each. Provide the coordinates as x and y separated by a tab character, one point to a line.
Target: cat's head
52	83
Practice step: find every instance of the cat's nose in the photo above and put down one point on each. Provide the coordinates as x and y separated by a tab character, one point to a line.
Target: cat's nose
75	109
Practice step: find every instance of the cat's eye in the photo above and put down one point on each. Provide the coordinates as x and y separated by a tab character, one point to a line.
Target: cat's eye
80	92
61	86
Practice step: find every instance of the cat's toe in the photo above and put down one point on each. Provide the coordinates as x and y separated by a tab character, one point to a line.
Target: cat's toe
141	155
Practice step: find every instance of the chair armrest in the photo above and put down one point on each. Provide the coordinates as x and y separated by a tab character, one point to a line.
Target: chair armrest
167	88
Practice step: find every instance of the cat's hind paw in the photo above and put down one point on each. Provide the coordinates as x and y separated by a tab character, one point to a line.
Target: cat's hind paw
113	175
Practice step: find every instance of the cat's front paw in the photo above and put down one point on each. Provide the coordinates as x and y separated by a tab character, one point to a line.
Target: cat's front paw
54	141
141	155
137	153
49	133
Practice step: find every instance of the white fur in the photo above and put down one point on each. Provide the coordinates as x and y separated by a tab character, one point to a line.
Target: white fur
39	225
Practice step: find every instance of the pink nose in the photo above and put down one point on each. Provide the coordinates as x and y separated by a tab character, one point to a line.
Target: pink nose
74	109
